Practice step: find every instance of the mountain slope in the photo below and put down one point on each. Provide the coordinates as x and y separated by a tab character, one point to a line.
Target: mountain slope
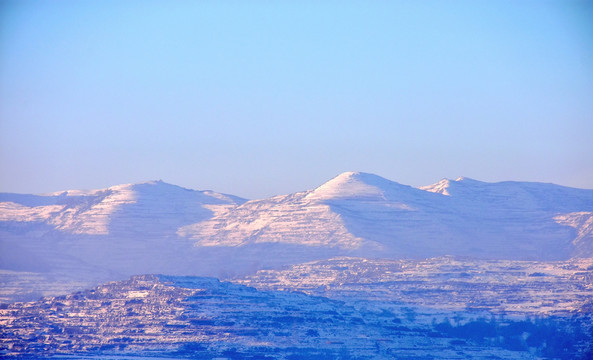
366	215
156	316
122	209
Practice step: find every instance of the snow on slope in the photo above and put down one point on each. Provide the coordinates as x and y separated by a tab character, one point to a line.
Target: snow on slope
350	184
353	213
583	223
304	218
122	208
367	215
290	219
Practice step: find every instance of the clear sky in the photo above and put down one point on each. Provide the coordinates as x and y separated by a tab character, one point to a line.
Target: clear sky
258	98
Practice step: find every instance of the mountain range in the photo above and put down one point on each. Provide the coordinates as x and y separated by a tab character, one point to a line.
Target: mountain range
53	243
360	267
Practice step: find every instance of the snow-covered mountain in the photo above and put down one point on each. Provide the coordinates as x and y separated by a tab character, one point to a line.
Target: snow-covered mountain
152	208
55	243
367	215
64	241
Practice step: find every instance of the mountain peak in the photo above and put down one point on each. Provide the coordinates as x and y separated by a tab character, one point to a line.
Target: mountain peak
157	183
153	182
351	184
445	186
440	187
468	180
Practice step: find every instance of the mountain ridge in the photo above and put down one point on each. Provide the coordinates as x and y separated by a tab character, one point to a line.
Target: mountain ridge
155	227
6	196
349	211
354	210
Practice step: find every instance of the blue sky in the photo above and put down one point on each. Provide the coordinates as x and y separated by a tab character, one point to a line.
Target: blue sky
261	98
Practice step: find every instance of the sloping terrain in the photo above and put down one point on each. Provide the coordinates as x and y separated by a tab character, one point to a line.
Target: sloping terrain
190	317
452	284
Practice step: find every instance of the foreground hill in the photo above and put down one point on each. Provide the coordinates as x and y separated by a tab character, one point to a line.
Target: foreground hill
192	317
